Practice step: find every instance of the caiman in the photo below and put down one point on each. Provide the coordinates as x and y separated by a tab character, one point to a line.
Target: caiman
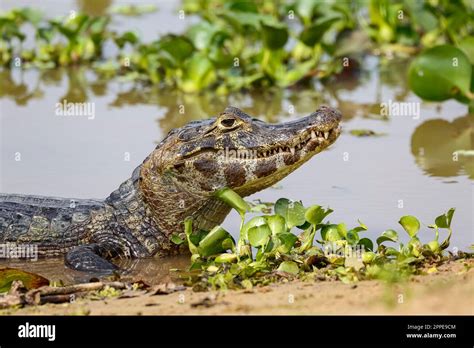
177	180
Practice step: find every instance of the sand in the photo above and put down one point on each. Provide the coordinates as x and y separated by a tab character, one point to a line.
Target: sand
448	291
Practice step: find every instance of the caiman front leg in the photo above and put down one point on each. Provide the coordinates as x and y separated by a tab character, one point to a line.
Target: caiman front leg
92	258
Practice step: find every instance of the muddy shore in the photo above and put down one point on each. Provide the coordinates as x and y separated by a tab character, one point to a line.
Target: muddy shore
448	291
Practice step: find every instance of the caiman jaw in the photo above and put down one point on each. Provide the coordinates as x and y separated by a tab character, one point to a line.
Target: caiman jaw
234	150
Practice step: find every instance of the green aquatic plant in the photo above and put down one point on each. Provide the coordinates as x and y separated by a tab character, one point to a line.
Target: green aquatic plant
236	44
298	241
444	72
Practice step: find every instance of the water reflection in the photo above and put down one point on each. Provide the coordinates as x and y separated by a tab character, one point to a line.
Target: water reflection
94	8
151	270
434	143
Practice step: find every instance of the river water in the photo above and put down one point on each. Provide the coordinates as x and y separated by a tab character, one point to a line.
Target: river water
408	170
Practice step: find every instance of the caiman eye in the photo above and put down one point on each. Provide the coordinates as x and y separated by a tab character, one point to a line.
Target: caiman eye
227	122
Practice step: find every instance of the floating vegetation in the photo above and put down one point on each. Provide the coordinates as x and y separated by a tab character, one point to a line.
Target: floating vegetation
299	242
241	45
364	133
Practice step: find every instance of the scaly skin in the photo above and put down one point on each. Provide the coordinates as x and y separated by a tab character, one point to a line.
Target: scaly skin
178	179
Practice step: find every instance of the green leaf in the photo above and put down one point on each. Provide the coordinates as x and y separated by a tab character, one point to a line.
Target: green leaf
312	35
410	224
242	20
467	46
198	74
287	240
243	6
233	200
330	233
30	280
259	235
307	238
276	223
188	230
179	47
388	235
368	257
440	73
275	35
352	237
316	214
289	267
226	258
176	240
367	243
127	37
212	243
255	221
202	35
293	212
444	221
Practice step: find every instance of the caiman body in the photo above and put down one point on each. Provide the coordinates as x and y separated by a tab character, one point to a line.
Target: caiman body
178	179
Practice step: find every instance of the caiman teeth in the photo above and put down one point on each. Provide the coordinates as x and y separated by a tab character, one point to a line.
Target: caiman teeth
318	136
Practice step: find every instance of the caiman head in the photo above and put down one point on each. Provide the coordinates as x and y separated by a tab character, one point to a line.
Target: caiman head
234	150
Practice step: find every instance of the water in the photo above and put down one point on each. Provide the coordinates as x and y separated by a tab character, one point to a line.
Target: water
409	170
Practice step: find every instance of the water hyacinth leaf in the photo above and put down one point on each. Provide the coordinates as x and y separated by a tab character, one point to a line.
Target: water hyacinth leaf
255	221
243	6
201	35
307	238
368	257
444	221
242	20
197	236
362	226
226	258
434	246
188	230
440	73
30	280
287	241
342	229
228	244
275	35
259	235
289	267
305	9
312	35
198	74
127	37
467	46
233	199
176	240
276	223
352	237
293	212
367	244
213	243
179	47
330	233
316	214
410	224
388	235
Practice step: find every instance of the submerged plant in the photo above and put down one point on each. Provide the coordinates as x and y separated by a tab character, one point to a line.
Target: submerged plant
298	241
